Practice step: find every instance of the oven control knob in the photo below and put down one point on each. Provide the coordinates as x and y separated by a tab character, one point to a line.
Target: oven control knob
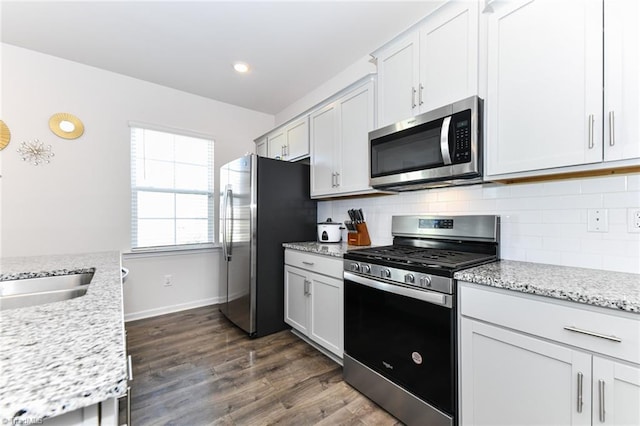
425	282
366	269
355	267
409	278
385	273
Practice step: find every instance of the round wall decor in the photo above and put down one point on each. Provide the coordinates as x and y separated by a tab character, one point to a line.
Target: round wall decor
66	125
5	135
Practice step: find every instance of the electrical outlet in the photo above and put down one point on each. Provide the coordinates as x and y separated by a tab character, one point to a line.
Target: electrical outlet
633	220
168	280
598	220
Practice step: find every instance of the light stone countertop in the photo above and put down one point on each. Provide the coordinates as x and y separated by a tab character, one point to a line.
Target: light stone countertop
62	356
615	290
327	249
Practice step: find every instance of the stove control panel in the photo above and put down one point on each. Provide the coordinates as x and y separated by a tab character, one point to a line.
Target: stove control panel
399	276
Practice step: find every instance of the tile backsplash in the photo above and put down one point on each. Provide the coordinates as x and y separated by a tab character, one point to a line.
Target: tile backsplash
542	222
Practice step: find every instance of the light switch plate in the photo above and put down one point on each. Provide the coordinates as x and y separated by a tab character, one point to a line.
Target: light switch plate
598	220
633	220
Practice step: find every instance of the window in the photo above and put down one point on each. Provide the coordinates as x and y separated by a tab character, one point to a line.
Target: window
171	189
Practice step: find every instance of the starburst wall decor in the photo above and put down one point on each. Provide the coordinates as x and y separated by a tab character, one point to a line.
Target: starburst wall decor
35	152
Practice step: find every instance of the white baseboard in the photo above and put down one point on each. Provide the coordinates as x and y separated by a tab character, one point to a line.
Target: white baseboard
171	309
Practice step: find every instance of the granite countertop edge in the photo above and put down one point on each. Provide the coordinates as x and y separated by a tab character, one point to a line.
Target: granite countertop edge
326	249
62	356
607	289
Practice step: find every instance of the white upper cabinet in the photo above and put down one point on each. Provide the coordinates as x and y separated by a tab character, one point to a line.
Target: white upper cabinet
622	79
297	145
545	84
398	80
261	146
449	55
434	65
289	142
340	144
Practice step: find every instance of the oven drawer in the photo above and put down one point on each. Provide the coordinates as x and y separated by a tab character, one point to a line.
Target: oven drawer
327	265
600	330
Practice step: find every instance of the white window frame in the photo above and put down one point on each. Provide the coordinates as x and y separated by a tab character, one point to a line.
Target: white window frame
211	220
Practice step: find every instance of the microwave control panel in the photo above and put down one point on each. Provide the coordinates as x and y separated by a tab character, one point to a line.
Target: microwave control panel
462	133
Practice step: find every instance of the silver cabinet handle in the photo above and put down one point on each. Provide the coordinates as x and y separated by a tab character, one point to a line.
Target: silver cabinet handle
593	333
612	129
591	120
337	180
307	285
307	263
413	97
334	180
128	405
580	380
420	94
129	367
601	398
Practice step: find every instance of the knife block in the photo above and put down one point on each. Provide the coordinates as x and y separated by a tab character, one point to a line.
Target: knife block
360	237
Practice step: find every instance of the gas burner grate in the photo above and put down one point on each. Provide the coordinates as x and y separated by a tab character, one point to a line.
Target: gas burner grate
427	257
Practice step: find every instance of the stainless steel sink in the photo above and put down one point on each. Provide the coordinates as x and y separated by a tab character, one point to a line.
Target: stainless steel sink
37	291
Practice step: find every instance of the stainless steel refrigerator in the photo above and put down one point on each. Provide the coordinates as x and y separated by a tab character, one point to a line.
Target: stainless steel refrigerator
264	203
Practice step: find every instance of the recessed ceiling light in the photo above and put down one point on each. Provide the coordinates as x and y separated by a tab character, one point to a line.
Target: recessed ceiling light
241	67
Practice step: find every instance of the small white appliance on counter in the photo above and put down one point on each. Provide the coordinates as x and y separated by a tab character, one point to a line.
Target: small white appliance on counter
329	231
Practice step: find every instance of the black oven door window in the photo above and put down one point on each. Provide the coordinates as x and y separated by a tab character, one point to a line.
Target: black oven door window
417	148
409	341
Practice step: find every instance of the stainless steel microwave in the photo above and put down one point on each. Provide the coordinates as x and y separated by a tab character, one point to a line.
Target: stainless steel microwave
442	147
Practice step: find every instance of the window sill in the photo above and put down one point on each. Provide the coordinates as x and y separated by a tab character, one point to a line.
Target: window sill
171	251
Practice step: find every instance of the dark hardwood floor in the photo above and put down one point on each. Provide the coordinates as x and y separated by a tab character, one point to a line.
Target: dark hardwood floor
196	368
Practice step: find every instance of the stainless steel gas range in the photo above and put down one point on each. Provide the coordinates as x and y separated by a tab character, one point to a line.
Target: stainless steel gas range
400	313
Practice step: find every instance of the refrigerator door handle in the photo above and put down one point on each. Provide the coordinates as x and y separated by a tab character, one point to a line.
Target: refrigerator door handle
225	210
230	240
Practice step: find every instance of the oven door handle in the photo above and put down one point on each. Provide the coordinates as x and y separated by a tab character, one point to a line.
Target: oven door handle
424	295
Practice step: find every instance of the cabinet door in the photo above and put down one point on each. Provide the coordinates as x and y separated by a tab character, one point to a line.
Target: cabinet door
616	393
449	55
356	120
508	378
326	326
544	101
295	298
261	147
398	72
324	134
275	144
622	79
297	134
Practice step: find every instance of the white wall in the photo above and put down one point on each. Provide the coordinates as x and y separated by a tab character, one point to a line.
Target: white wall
541	222
81	201
348	76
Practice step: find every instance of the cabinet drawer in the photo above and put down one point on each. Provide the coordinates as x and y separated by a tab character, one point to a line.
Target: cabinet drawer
548	318
331	266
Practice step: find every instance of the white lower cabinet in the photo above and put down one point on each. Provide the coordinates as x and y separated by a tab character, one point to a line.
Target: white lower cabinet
104	413
314	301
509	377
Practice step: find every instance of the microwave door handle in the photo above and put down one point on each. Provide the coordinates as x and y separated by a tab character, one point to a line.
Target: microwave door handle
444	140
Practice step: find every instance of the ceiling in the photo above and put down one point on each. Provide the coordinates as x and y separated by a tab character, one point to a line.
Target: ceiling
292	47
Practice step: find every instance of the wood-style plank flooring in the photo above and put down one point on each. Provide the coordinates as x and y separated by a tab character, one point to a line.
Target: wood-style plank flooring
196	368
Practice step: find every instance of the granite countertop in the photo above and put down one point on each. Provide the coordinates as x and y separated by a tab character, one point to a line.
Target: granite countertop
61	356
615	290
328	249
